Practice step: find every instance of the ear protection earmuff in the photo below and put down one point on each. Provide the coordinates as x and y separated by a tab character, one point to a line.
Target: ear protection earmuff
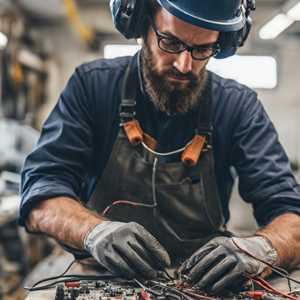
231	41
129	19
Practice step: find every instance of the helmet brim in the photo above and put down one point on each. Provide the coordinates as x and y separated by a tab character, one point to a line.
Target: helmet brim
233	24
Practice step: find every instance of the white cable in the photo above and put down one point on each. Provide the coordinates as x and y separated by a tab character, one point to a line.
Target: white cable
167	153
154	181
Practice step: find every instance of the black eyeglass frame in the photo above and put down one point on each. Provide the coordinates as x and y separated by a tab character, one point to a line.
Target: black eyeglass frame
160	36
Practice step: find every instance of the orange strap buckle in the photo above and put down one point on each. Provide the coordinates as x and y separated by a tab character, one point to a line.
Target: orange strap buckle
133	131
192	153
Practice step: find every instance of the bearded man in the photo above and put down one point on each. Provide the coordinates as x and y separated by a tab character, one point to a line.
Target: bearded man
133	165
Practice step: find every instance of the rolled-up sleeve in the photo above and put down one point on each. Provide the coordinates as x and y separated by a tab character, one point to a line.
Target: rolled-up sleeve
265	176
58	164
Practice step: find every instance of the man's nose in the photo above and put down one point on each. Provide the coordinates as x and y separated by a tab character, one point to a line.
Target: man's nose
184	62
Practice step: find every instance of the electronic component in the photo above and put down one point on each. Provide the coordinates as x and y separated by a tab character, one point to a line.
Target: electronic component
149	290
97	290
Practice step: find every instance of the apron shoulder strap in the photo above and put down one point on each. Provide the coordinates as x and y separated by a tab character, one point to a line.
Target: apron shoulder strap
129	87
204	126
127	108
204	129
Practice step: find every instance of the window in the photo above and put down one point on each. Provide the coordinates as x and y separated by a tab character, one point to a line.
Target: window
253	71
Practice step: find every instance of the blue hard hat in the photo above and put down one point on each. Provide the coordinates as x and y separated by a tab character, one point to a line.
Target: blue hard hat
230	17
219	15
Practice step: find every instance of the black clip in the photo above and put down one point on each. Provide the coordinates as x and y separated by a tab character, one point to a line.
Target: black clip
127	103
127	110
207	132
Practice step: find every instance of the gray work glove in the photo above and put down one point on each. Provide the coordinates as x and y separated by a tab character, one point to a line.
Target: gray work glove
220	265
126	249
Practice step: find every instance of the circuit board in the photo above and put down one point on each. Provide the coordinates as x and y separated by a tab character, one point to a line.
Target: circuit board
97	290
149	290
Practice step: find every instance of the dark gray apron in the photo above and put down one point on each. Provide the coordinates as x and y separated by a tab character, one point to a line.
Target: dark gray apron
181	207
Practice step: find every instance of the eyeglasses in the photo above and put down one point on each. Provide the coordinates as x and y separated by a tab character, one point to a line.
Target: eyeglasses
176	46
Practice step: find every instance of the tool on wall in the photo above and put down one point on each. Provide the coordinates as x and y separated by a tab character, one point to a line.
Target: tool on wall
88	35
23	69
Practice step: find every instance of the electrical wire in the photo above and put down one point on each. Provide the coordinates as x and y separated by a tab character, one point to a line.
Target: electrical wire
197	296
63	278
137	204
172	290
147	289
267	286
52	278
154	182
168	276
67	278
279	271
124	202
176	293
294	291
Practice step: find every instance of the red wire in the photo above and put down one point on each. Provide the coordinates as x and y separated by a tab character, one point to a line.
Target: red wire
105	211
145	295
255	294
267	286
251	255
271	266
197	296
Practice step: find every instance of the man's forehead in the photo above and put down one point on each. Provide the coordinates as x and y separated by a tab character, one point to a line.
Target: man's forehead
166	22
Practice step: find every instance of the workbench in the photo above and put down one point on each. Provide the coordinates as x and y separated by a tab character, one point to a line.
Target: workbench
52	266
56	265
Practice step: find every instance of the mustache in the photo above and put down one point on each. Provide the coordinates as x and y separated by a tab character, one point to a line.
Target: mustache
186	76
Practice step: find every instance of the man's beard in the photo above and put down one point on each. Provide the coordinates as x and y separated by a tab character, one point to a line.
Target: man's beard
168	96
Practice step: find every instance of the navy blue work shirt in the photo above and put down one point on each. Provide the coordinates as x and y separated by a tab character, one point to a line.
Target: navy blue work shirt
77	138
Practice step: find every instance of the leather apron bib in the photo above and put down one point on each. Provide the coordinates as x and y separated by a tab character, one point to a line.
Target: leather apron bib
177	203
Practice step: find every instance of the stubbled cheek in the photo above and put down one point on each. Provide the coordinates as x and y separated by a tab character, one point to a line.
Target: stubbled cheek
198	66
163	61
162	67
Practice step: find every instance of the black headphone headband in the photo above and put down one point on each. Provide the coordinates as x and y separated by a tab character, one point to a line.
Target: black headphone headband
129	17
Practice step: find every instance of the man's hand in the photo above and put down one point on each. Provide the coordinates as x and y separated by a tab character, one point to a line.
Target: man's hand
222	264
126	249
